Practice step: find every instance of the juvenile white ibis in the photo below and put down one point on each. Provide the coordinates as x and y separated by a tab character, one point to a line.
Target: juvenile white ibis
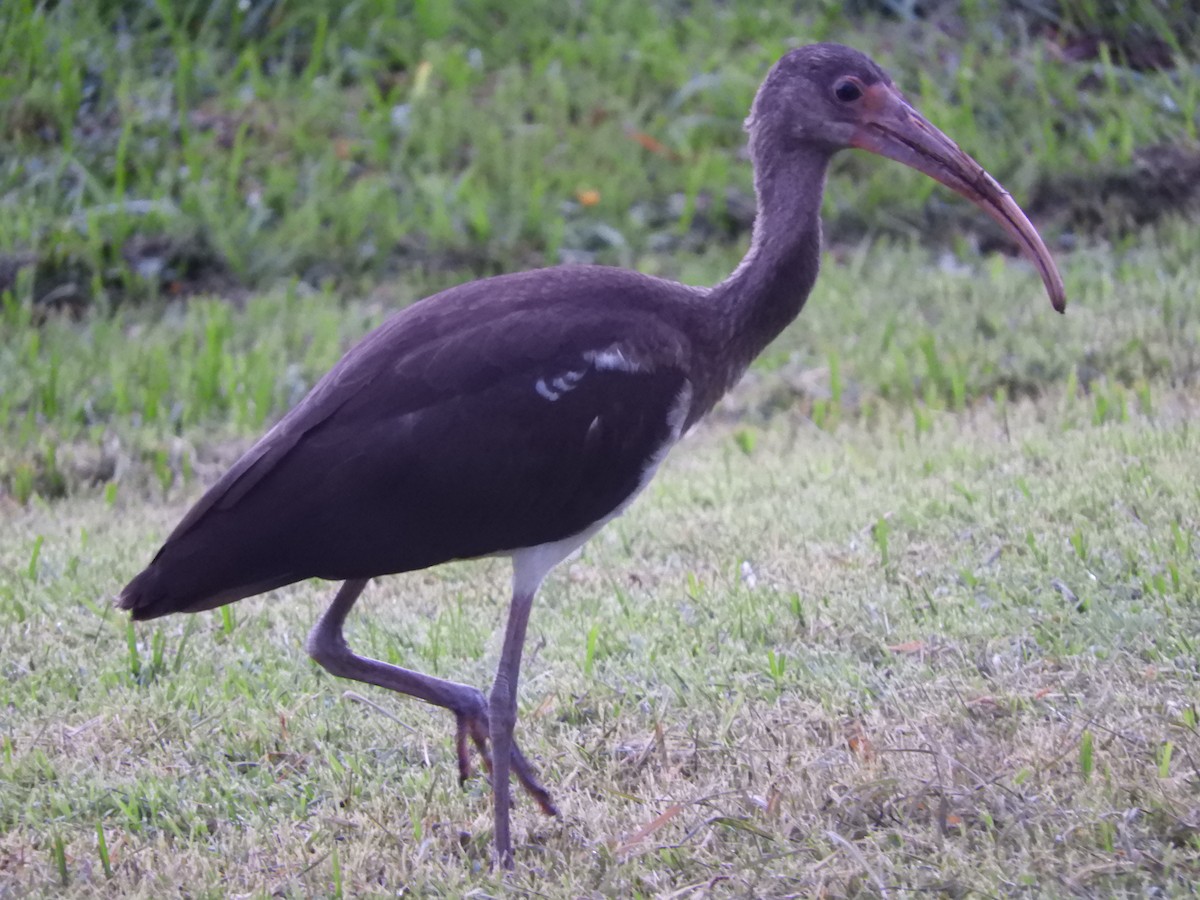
516	415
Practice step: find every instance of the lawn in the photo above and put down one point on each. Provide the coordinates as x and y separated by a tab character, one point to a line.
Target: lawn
915	610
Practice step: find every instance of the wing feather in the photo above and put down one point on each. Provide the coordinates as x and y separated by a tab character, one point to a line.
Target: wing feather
428	443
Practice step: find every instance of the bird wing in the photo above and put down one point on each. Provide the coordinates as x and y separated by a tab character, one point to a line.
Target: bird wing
451	432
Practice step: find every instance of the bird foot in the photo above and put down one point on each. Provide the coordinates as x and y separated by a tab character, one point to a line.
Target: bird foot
474	728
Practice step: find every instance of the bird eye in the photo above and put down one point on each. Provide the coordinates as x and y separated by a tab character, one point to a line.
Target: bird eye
847	91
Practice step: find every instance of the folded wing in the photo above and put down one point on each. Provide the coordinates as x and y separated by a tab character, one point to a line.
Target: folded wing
425	445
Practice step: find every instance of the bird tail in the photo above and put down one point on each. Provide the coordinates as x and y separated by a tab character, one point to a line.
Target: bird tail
145	597
161	589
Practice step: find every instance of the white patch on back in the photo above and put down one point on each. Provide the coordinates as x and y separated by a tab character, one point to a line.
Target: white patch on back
558	385
612	359
566	380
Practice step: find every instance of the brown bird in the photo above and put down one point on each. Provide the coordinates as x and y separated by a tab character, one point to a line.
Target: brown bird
516	415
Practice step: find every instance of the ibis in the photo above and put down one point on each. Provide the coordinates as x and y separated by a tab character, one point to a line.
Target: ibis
516	415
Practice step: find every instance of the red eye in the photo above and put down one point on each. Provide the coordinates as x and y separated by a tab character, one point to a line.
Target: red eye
847	91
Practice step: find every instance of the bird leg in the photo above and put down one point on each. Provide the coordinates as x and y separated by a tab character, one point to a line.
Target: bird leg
503	718
328	647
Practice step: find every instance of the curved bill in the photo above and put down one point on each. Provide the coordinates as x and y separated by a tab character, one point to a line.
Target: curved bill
892	128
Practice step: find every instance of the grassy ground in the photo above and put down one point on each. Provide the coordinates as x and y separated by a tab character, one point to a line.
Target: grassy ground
915	611
860	662
179	147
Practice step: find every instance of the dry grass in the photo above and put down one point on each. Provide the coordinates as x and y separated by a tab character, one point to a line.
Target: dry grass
769	707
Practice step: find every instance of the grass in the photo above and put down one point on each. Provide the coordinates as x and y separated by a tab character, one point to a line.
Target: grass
126	391
153	148
929	644
914	611
738	682
328	156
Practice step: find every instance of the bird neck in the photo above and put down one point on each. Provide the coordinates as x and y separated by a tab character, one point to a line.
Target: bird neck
768	288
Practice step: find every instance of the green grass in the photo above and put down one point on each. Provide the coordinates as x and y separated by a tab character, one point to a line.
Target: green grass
916	610
891	638
154	152
733	682
128	391
292	140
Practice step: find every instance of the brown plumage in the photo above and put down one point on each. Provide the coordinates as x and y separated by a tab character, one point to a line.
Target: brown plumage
516	415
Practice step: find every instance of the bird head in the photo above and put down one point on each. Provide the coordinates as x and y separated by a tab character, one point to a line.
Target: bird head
833	98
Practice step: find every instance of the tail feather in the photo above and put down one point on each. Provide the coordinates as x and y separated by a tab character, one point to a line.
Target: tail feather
144	597
151	595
